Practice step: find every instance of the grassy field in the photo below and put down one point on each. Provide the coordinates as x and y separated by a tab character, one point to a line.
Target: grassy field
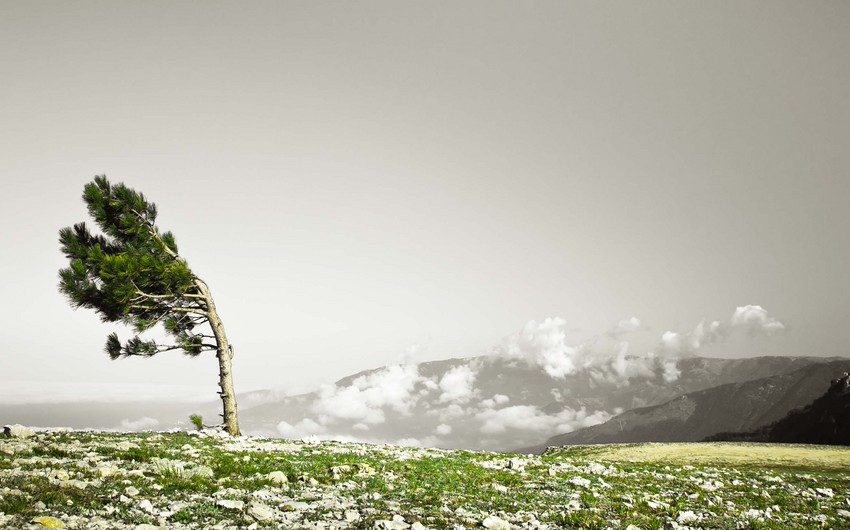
791	456
179	480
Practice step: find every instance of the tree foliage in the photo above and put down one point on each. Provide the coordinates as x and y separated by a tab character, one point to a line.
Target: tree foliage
132	273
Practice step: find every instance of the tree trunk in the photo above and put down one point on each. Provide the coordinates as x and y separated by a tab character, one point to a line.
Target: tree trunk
224	353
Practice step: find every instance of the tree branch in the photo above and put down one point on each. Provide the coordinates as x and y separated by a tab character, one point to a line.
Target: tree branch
169	308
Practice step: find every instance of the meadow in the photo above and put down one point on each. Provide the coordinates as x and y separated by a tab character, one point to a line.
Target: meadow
197	480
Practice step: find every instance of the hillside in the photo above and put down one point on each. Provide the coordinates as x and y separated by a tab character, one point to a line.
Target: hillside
494	403
740	406
826	420
205	480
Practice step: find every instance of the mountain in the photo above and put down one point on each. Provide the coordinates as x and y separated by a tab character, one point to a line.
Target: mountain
826	420
737	406
496	402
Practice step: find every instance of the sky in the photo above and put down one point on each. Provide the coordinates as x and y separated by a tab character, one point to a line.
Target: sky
366	183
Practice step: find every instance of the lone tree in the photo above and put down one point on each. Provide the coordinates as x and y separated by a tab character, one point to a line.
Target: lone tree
133	274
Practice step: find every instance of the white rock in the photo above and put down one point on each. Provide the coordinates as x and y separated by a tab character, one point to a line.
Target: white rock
148	527
230	504
260	511
146	506
176	506
687	516
843	513
579	481
17	431
106	471
496	523
59	474
632	527
418	526
391	525
351	516
277	477
131	491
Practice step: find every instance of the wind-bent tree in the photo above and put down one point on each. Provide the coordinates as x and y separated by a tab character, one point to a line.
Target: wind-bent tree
133	274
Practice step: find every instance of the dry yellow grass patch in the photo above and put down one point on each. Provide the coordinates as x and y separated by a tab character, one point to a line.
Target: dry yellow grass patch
727	454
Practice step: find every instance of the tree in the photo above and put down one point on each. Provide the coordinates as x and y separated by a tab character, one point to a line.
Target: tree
132	273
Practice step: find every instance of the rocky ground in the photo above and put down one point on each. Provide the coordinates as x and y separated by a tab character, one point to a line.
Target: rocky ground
145	481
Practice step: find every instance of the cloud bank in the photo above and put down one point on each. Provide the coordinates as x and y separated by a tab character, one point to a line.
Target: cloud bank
474	401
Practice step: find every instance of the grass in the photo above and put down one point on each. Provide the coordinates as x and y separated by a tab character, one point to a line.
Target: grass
178	480
781	456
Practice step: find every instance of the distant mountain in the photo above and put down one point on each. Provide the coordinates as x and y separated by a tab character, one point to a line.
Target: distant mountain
736	406
826	420
497	403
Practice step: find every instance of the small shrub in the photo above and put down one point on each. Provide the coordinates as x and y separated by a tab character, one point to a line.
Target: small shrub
197	421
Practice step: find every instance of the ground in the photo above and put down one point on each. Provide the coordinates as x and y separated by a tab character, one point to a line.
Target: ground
209	480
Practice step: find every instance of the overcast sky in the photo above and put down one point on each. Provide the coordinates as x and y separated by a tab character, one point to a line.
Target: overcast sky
365	182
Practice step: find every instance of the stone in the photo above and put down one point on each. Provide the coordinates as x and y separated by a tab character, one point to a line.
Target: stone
277	477
495	523
418	526
48	522
124	445
104	471
131	491
74	483
176	506
146	506
260	511
230	504
351	516
396	524
146	526
59	474
17	431
293	506
516	464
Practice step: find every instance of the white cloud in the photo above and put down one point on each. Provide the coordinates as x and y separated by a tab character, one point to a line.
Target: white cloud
755	320
528	418
443	429
364	400
303	428
458	384
625	326
543	345
139	424
751	319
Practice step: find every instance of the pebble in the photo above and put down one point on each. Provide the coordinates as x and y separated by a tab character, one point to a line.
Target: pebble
495	523
230	504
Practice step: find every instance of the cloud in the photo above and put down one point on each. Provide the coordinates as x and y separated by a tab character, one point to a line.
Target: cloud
302	429
542	345
528	418
624	327
755	321
458	384
363	401
139	424
497	399
750	319
443	429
